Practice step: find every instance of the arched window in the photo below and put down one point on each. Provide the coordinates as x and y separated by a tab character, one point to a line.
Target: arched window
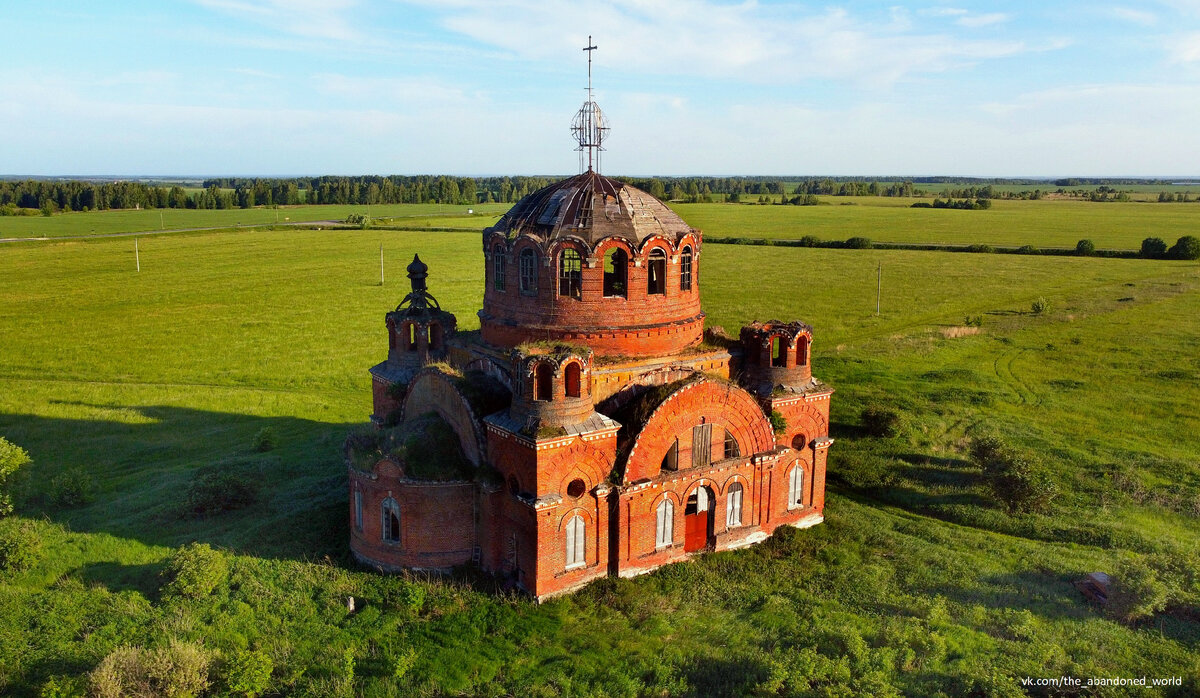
685	269
410	336
358	516
664	528
391	521
570	274
778	352
498	270
528	271
573	379
543	381
733	508
802	351
656	273
731	445
616	273
574	531
670	461
796	487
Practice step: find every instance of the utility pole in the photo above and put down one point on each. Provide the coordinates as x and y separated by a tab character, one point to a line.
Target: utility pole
161	225
381	263
137	255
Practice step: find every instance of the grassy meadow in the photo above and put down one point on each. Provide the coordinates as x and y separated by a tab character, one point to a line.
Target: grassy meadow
919	583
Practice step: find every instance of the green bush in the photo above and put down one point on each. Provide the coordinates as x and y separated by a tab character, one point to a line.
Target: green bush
810	241
778	422
1040	305
878	420
71	488
194	571
1186	247
20	546
12	459
1027	249
179	670
980	248
1136	591
211	493
248	673
1085	248
1153	248
858	243
1015	480
265	440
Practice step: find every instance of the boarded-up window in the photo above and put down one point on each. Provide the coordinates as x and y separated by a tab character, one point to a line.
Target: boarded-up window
733	510
574	543
665	526
701	445
796	488
528	271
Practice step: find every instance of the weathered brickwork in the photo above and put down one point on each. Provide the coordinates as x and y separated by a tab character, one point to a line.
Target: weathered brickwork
621	443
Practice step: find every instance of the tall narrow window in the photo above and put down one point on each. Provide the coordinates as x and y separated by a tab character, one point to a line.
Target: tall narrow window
358	516
391	521
574	531
573	379
498	269
543	381
528	271
778	352
731	445
670	461
685	269
570	274
616	271
802	351
796	487
701	445
391	327
435	336
656	273
664	530
410	336
733	509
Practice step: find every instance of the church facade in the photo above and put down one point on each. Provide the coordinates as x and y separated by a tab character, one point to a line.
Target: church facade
591	426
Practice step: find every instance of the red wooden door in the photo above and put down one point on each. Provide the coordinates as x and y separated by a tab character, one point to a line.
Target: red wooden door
696	519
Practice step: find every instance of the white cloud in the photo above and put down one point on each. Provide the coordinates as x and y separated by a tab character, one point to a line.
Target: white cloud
975	21
1185	48
313	19
1129	14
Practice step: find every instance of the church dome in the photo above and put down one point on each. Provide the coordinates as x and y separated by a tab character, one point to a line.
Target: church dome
591	207
592	261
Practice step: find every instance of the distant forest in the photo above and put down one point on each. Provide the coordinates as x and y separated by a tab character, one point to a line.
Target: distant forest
52	195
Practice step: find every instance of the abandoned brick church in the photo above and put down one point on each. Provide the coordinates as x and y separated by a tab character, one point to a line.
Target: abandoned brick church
591	426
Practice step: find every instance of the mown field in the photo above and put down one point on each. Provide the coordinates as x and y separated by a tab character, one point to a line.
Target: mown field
130	221
918	584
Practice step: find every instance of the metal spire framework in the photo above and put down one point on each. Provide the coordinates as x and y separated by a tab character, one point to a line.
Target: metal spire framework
589	125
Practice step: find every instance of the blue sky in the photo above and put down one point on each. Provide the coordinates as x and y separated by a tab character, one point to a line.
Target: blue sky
275	87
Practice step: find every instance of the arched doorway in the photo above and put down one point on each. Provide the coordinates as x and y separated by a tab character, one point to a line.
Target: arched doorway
698	519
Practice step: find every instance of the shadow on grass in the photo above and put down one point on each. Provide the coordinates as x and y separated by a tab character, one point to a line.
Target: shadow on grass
117	577
142	462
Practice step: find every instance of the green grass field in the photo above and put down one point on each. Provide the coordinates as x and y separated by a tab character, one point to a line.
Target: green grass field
126	221
917	584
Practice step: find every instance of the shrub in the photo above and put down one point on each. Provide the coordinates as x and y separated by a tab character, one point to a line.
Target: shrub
179	670
216	492
878	420
979	248
194	571
778	422
1136	591
973	321
265	440
1187	247
1085	248
359	219
1015	480
1040	305
858	243
248	673
1153	248
20	546
71	488
12	459
1027	249
810	241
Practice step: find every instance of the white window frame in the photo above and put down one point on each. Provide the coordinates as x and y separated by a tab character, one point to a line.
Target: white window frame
664	528
575	547
796	487
733	508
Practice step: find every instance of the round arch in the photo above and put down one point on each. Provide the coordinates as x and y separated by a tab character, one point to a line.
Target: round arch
433	391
